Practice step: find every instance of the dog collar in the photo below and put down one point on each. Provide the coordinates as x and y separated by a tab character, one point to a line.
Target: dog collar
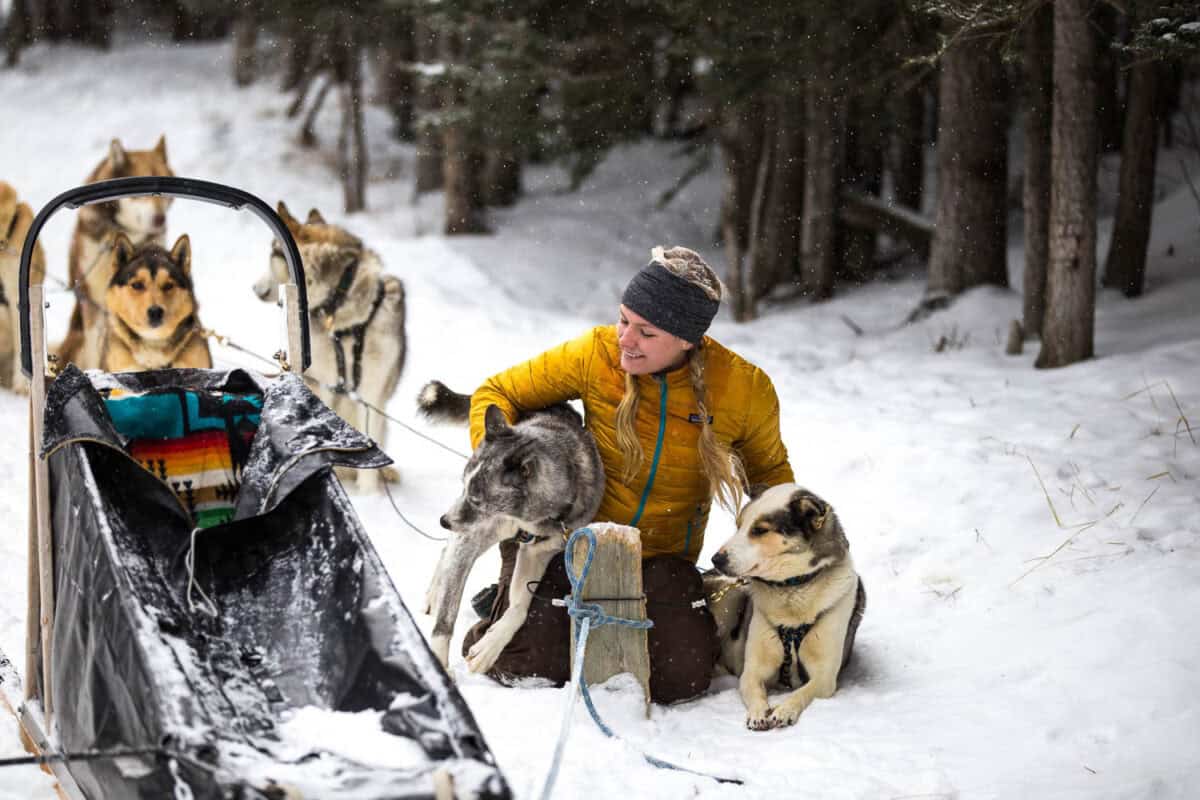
798	580
525	537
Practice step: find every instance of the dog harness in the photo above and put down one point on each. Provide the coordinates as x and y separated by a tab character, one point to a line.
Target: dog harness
791	637
332	303
358	336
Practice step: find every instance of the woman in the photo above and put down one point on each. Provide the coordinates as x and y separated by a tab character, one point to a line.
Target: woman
679	421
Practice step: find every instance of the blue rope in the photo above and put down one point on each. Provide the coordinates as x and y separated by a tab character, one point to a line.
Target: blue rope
588	615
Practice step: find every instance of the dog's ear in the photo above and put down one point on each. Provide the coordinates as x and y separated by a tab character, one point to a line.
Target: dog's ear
495	425
808	512
314	218
116	155
122	252
755	490
181	254
161	147
291	222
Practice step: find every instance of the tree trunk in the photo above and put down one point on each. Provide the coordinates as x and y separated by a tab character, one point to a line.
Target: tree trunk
396	79
825	110
245	38
462	157
428	162
1170	98
741	143
864	173
501	177
352	146
297	48
777	252
908	171
1125	268
969	245
673	79
461	175
1068	328
1039	66
1105	27
18	30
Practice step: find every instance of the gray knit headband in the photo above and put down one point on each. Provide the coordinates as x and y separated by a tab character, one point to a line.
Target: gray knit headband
670	302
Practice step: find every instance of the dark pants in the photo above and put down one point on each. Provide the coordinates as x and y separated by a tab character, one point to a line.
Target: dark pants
683	641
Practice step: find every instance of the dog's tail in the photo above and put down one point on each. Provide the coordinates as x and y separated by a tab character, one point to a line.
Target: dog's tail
441	404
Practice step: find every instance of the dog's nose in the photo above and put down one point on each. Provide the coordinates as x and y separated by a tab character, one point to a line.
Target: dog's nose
155	315
444	522
720	560
160	220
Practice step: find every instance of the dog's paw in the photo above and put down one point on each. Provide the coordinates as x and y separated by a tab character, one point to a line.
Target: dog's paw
764	721
390	475
483	653
783	716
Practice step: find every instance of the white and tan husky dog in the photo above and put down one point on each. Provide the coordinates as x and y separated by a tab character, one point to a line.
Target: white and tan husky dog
787	602
141	219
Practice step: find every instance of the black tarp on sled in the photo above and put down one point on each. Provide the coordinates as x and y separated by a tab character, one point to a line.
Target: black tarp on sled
196	646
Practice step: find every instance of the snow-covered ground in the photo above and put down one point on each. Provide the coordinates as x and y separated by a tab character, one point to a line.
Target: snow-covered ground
1029	540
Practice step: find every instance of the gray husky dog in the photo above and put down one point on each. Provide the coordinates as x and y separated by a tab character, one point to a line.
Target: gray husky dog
534	482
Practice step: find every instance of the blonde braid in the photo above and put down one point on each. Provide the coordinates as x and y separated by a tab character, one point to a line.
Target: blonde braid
724	470
627	439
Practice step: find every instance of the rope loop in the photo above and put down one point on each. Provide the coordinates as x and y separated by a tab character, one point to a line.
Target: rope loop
576	607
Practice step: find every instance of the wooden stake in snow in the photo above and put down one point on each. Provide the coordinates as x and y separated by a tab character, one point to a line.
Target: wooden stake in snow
614	582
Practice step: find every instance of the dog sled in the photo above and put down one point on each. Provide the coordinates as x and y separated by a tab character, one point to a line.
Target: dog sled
192	627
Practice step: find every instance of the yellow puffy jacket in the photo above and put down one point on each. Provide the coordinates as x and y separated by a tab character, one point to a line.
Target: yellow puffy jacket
669	499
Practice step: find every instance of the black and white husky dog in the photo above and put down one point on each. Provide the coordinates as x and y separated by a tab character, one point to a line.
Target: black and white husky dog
534	481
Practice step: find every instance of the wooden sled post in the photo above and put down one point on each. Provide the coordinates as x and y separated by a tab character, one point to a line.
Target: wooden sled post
616	572
39	522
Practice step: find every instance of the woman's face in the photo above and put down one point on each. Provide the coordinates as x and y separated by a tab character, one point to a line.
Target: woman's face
646	349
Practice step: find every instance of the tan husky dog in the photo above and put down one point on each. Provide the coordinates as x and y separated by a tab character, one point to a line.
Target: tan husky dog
15	219
152	322
141	219
790	619
356	319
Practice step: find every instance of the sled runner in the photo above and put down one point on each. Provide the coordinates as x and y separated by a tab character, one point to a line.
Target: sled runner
202	594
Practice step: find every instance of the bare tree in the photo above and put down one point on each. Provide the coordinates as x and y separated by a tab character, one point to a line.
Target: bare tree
908	150
463	158
1068	329
352	144
825	110
245	39
741	141
777	256
428	165
969	243
1125	268
1039	65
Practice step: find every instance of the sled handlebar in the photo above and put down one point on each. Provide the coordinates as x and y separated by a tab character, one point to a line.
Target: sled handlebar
190	188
